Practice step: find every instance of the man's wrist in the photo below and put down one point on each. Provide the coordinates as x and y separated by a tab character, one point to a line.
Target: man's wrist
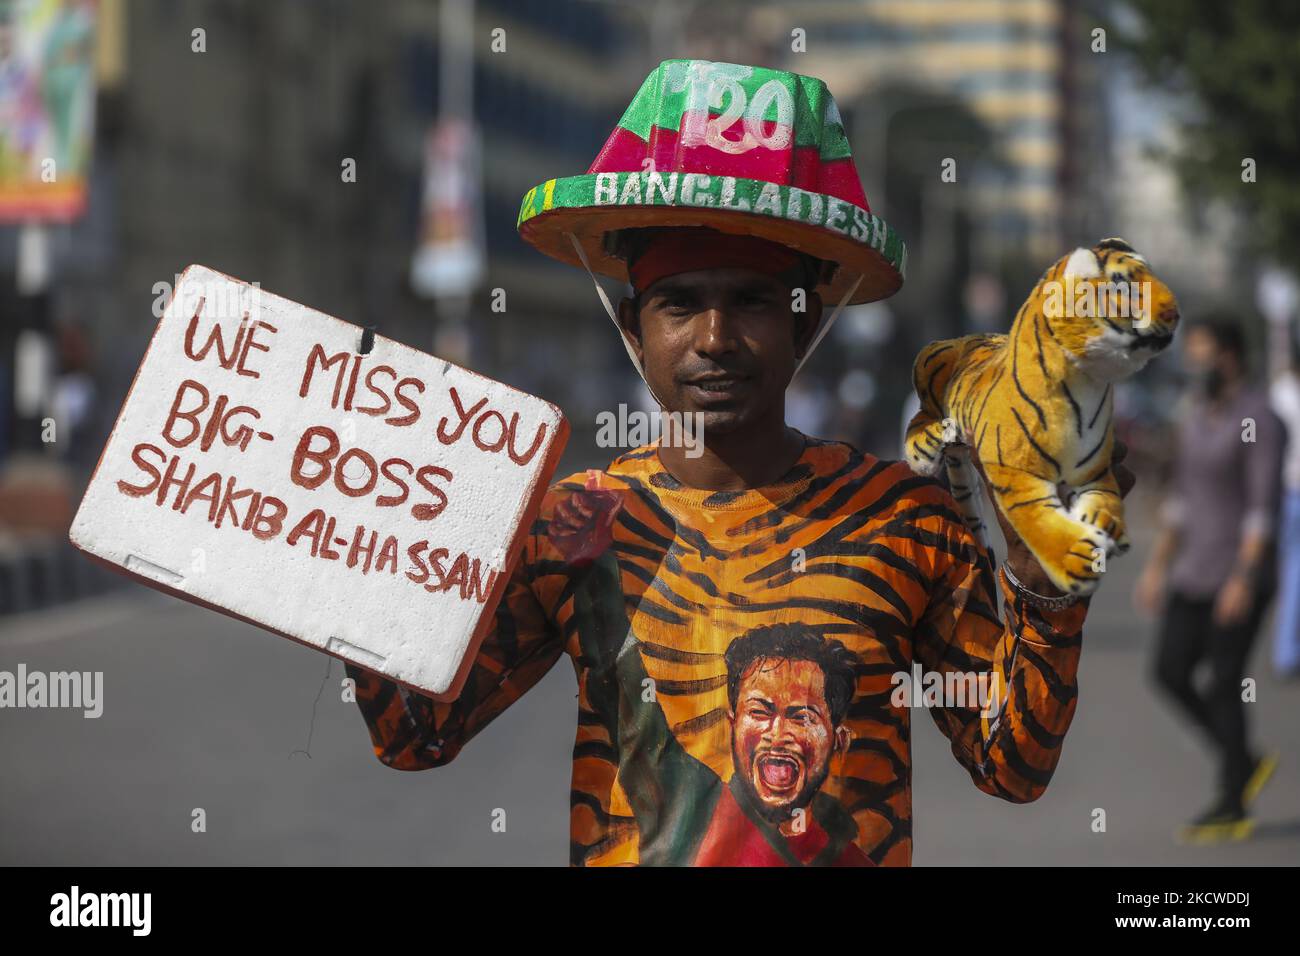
1054	601
1030	575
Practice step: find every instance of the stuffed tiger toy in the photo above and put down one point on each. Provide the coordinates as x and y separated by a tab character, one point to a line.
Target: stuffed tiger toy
1037	406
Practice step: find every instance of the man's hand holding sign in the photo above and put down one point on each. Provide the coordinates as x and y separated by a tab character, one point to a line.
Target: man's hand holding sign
369	505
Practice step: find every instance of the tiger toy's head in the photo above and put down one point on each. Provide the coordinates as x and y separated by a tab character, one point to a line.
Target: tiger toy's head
1107	310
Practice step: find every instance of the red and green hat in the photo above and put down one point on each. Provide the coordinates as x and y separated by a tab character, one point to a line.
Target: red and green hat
738	149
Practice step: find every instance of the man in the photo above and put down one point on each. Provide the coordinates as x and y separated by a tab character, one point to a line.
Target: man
1212	567
788	692
651	574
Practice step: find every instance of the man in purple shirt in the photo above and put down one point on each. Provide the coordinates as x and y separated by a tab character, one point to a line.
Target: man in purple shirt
1212	572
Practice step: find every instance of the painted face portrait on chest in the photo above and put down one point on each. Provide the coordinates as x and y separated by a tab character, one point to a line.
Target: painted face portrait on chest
789	691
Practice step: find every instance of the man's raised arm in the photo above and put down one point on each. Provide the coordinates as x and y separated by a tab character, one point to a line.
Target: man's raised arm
1009	737
412	732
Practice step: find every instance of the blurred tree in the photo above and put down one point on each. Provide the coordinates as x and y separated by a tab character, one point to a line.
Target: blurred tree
1241	63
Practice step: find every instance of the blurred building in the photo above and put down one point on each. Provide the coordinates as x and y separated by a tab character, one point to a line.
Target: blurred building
222	126
222	129
1006	97
1024	70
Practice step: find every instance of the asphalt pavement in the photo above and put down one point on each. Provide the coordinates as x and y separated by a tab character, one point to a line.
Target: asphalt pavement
203	713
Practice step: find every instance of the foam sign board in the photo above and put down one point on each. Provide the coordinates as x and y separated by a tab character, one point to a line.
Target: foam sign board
369	505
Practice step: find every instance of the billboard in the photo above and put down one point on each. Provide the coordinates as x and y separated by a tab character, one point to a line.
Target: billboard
47	108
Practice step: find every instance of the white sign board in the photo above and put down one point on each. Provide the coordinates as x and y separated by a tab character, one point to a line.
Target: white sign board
369	505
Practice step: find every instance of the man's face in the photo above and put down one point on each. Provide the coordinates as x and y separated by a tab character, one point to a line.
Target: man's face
722	342
1200	350
782	738
1203	357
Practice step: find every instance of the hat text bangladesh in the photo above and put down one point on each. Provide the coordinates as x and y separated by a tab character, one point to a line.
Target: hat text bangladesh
742	195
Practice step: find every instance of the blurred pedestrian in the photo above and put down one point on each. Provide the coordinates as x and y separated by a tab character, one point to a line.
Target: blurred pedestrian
75	400
1212	571
1284	392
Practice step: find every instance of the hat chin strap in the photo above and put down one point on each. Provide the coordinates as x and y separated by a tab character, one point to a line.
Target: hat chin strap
826	327
609	307
613	317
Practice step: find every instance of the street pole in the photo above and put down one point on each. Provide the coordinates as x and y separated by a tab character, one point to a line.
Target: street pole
453	335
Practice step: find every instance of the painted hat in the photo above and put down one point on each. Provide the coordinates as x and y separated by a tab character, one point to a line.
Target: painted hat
739	149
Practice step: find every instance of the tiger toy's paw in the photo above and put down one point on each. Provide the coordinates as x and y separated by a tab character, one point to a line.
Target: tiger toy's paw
1099	511
1081	570
926	442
